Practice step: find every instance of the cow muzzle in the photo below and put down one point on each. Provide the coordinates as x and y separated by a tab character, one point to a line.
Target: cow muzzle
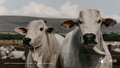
26	41
89	38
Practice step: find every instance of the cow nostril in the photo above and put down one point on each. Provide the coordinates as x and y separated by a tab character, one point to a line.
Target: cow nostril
26	41
92	36
89	37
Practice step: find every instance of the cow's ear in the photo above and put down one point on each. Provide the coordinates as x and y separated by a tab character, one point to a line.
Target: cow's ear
21	30
68	24
109	22
50	29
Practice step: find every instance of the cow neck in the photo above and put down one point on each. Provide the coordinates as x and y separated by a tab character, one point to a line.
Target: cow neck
100	41
49	48
77	37
103	47
38	49
51	51
76	41
77	48
30	60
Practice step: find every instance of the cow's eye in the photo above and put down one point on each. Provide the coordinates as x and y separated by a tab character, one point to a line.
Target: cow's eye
99	21
80	22
41	29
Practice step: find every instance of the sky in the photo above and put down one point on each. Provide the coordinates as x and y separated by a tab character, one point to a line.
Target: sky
59	8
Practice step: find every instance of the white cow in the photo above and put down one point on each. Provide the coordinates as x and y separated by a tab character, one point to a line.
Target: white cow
3	52
84	47
43	44
11	53
115	46
15	54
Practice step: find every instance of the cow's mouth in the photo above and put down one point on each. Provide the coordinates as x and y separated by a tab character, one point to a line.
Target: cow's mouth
89	42
26	42
30	46
89	46
92	49
27	46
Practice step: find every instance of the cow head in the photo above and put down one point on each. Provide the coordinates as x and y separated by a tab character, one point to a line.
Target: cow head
89	22
34	32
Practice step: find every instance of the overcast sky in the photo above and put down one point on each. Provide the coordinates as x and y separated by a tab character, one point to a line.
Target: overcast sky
59	8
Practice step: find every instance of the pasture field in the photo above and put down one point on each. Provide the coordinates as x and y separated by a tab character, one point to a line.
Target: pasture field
13	63
10	63
19	63
16	43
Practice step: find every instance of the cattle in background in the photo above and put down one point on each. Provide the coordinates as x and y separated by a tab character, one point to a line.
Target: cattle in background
3	52
42	43
84	47
15	54
9	52
114	46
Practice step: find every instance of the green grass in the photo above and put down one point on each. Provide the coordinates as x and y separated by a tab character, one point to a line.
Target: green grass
107	37
11	37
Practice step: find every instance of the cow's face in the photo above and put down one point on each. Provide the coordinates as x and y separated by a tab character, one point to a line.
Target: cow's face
89	22
33	32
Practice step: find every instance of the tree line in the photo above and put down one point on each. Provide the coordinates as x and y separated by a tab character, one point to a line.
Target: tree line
106	37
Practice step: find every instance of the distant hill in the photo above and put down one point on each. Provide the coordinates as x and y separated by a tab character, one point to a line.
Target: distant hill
115	29
8	23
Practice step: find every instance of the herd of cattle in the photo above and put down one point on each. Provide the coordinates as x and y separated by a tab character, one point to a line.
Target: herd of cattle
10	52
83	47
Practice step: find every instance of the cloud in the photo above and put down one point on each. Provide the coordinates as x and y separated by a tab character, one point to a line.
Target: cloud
3	9
69	10
42	10
37	9
2	2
